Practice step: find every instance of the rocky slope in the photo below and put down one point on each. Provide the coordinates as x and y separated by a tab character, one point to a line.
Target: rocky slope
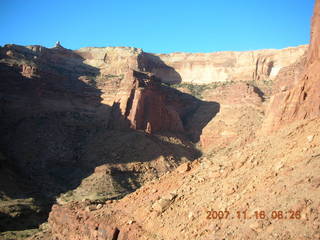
245	178
86	128
240	116
67	125
256	186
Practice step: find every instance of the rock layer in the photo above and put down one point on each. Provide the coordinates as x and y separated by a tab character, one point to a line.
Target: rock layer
62	111
143	103
203	68
60	117
196	68
240	115
234	179
302	101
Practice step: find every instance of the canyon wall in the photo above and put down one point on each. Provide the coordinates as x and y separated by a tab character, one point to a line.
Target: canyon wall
137	97
59	115
69	119
302	100
196	68
204	68
286	162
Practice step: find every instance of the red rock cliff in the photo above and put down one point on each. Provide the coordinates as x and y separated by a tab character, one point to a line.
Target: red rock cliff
141	102
303	100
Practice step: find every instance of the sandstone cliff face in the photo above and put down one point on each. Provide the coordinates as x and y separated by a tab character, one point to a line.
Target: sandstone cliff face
141	102
202	68
302	101
121	89
69	120
60	116
111	60
196	68
232	178
110	76
137	98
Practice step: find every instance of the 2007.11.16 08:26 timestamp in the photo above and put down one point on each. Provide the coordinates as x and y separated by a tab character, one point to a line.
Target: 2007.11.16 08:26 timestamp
291	215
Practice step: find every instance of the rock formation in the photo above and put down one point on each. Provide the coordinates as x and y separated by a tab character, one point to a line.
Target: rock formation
87	128
203	68
239	117
263	188
302	101
58	45
61	118
196	68
145	104
137	97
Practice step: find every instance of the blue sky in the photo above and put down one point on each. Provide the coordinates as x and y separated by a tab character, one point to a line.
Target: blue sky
158	26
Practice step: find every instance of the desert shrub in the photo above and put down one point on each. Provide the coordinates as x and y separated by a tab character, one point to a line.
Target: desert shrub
196	90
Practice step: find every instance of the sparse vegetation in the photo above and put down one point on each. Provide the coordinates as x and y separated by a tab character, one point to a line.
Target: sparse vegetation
114	76
18	235
265	86
262	82
196	90
100	79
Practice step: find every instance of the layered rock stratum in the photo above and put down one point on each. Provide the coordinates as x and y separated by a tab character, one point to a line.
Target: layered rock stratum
197	68
99	135
302	100
62	119
204	68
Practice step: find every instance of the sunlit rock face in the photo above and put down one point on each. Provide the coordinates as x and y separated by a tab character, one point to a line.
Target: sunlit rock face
197	68
203	68
302	100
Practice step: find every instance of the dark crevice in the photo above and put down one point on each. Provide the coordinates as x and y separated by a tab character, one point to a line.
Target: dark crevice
304	96
115	234
129	103
270	66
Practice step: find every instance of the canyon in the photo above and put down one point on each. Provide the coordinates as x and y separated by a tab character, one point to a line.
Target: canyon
197	68
117	143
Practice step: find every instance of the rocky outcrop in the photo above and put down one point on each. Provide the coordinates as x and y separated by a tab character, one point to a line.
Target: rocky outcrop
138	99
146	105
60	117
111	61
204	68
240	115
130	97
302	101
82	122
288	76
196	68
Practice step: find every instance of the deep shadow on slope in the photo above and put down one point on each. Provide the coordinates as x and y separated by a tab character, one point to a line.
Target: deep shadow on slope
21	205
194	119
40	116
152	63
197	120
55	132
